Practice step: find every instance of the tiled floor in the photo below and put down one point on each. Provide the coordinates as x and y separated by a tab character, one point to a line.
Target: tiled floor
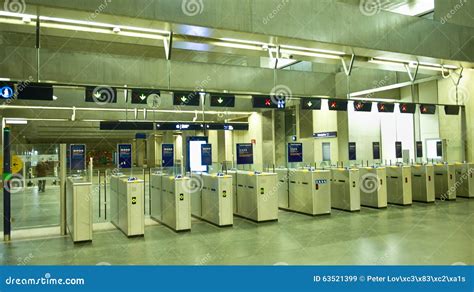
440	234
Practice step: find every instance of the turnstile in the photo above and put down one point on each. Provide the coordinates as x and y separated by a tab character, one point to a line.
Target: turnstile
114	198
345	191
465	180
283	191
215	205
257	196
444	175
399	186
79	209
423	185
233	174
310	191
127	212
373	187
176	203
155	195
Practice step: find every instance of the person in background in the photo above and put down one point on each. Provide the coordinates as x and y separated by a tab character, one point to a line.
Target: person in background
41	172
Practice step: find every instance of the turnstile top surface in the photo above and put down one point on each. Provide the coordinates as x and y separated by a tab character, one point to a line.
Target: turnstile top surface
79	181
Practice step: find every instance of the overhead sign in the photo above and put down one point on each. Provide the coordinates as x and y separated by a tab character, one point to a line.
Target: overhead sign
398	150
376	150
428	109
146	96
451	110
206	154
36	91
272	102
439	149
187	98
245	153
77	160
337	105
101	94
361	106
295	152
407	108
167	155
325	135
124	152
7	90
311	104
384	107
352	151
222	100
419	149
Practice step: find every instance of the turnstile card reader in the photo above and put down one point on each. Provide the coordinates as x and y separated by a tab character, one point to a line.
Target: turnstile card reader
345	190
445	178
310	191
373	187
257	196
216	199
79	209
130	216
423	185
283	187
465	180
399	186
176	203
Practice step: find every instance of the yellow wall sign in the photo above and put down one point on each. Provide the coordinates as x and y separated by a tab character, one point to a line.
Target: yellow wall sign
16	164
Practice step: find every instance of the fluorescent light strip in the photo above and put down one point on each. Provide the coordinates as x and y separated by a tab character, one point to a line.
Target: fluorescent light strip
10	121
237	46
117	110
255	43
104	25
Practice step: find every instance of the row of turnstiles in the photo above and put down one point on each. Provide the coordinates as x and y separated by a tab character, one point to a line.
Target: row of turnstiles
257	196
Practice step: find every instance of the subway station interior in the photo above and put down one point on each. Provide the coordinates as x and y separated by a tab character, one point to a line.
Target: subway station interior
237	132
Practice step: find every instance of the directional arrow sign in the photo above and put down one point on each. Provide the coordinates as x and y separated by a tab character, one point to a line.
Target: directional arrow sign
222	100
187	98
140	96
94	94
311	104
